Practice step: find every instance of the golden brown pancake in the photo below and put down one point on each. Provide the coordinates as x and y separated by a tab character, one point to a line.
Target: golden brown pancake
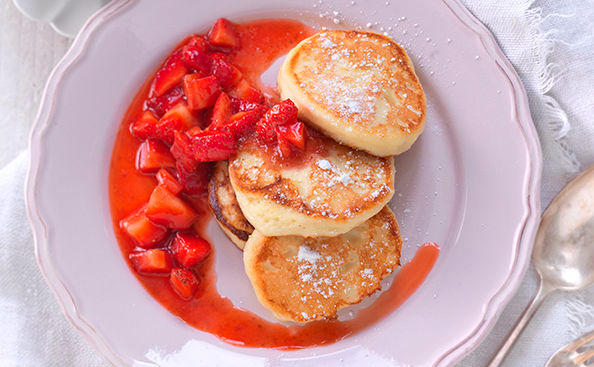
304	279
358	87
225	207
328	193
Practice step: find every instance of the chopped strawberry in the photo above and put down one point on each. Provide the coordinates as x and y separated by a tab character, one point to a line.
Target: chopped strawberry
223	34
255	113
201	92
170	75
146	233
161	104
293	133
246	91
241	105
243	123
213	145
189	249
198	41
182	152
167	209
151	262
153	155
184	283
165	178
238	116
227	74
145	126
178	118
194	131
284	146
221	110
195	182
282	113
219	56
197	58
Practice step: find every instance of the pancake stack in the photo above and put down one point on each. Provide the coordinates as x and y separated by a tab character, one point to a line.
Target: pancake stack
318	236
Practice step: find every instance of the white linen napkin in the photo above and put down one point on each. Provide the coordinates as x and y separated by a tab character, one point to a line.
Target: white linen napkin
551	44
34	331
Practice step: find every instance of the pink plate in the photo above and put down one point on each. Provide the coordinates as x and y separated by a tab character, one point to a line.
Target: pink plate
470	183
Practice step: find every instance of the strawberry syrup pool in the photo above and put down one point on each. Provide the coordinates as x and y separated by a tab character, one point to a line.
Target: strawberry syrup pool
262	42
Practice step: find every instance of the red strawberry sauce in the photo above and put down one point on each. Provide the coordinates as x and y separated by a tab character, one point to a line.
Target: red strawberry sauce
261	43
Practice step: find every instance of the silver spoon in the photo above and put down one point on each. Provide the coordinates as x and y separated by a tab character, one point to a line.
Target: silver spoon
563	253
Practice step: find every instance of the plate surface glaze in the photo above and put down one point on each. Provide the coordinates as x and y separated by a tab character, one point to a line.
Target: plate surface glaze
470	183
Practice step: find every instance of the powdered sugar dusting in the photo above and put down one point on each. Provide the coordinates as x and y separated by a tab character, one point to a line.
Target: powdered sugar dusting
324	164
345	179
360	82
338	175
346	169
327	43
307	254
312	275
334	272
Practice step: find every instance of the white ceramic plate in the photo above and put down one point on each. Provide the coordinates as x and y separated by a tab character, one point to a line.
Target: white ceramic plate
470	183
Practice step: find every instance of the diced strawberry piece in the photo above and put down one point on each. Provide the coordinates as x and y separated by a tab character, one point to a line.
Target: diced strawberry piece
165	178
227	74
243	123
145	126
284	146
182	152
198	41
293	133
151	262
161	104
223	34
178	118
196	57
241	105
237	117
196	181
219	56
282	113
201	92
167	209
146	233
221	111
254	114
244	90
213	145
194	131
189	249
153	155
170	75
184	283
290	136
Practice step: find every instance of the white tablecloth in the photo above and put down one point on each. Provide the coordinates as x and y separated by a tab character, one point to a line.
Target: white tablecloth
551	44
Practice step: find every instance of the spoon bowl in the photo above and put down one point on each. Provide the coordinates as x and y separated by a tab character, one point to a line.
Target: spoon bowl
564	248
563	253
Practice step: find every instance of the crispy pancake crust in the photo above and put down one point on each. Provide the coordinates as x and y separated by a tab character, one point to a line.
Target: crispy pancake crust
304	279
328	193
358	87
225	208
